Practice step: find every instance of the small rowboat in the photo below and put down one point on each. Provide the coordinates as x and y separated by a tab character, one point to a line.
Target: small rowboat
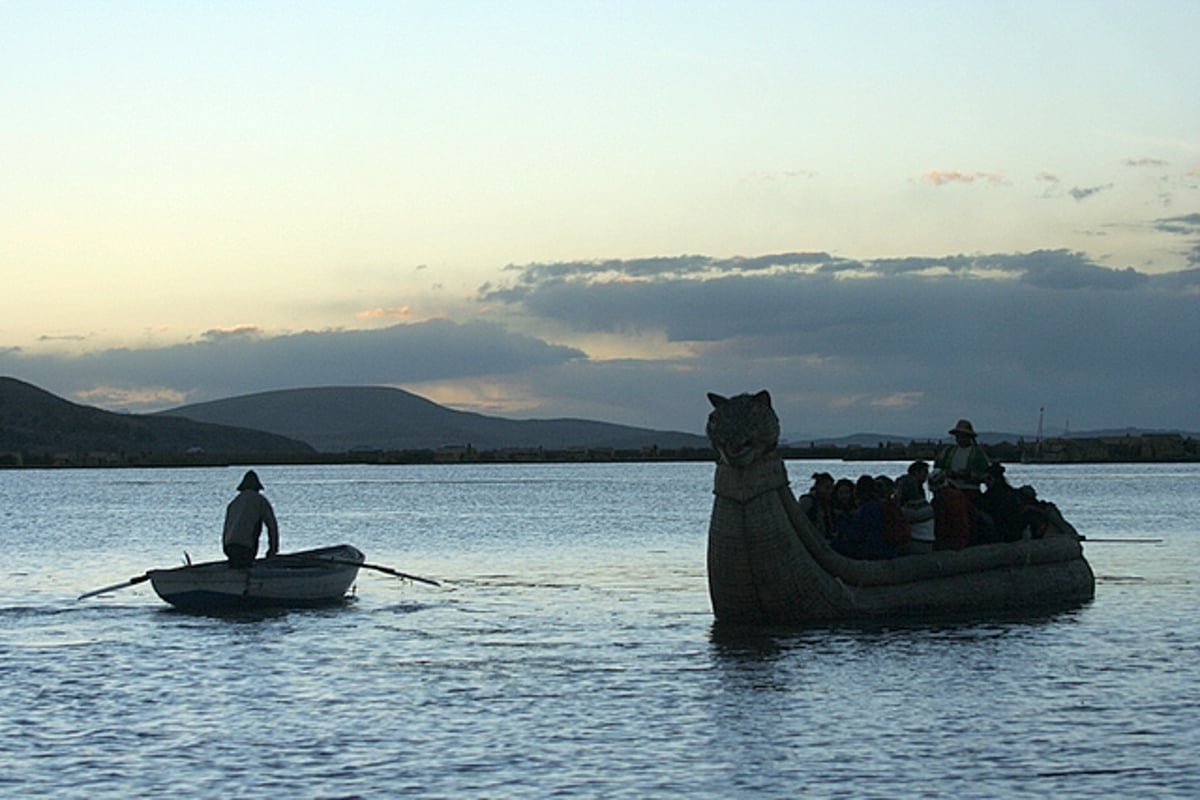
297	580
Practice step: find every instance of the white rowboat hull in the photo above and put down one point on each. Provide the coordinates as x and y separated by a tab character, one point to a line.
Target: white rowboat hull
296	580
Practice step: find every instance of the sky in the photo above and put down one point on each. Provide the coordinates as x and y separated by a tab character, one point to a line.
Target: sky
889	215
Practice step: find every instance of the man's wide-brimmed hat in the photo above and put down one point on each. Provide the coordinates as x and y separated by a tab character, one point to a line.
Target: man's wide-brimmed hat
250	481
964	427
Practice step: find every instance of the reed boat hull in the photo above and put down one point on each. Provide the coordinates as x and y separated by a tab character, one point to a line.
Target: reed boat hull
768	565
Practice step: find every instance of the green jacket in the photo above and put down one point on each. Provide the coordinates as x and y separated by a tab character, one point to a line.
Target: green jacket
977	464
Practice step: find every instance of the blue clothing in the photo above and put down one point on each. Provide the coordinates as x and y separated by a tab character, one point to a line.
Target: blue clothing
863	537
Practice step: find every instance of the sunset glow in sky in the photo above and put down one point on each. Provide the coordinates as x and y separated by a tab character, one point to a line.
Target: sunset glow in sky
889	214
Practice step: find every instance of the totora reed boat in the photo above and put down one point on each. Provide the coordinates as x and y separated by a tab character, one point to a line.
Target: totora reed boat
767	564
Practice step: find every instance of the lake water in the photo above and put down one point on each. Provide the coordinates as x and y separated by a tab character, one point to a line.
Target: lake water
571	651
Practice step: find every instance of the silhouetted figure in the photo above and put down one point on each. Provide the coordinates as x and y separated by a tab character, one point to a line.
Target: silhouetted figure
918	512
1003	505
863	537
817	504
952	514
245	517
964	462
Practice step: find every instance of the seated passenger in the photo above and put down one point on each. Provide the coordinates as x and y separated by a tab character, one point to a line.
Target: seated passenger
919	513
1043	517
863	537
919	470
843	504
1003	506
817	504
951	514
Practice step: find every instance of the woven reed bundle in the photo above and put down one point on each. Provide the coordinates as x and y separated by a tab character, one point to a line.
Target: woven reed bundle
767	565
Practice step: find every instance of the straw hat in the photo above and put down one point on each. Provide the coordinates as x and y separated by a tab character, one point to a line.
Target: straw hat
964	427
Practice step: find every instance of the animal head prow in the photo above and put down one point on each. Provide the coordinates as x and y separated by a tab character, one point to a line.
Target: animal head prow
743	428
762	396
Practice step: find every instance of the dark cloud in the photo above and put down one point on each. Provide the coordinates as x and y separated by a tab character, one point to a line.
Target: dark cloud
893	343
229	363
74	337
904	345
823	290
1081	193
1188	224
240	333
542	275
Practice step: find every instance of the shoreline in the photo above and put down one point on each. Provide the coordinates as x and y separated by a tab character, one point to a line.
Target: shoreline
1083	451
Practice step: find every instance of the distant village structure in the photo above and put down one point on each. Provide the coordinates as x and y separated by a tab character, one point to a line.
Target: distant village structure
1156	447
1146	447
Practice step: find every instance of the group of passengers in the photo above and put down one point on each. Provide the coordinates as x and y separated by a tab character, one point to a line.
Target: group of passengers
880	517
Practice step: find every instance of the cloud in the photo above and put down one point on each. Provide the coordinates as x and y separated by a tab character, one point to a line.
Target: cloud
787	174
895	343
898	345
939	177
401	312
73	337
1188	224
123	397
237	333
1082	193
1146	162
226	363
797	290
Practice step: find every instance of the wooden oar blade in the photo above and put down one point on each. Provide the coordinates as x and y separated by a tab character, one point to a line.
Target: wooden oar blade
115	587
400	574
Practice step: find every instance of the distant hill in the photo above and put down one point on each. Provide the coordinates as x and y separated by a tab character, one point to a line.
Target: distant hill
34	421
985	437
339	419
876	439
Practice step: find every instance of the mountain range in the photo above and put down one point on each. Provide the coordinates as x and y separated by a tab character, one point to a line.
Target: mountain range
297	422
34	421
340	419
344	419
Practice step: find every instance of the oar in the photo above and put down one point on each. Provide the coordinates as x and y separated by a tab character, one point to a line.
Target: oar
1121	541
378	567
397	573
114	587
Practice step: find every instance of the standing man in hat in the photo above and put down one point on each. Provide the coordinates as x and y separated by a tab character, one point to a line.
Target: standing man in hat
244	520
964	462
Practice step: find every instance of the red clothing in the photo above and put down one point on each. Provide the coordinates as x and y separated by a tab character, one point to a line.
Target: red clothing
952	519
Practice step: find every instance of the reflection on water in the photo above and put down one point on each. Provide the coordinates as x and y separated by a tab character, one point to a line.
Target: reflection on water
569	652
